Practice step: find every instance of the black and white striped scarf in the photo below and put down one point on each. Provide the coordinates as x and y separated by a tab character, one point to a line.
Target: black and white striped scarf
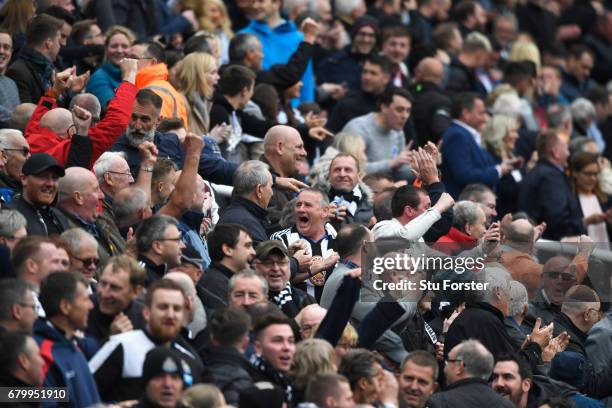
283	297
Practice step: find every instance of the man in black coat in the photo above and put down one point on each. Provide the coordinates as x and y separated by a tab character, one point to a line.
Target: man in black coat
546	195
473	55
226	365
468	368
231	250
33	70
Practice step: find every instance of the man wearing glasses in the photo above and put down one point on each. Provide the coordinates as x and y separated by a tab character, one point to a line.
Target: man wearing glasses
272	262
14	149
467	369
558	276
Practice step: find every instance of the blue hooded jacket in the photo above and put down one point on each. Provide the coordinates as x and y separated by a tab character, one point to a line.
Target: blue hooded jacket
65	366
278	45
104	81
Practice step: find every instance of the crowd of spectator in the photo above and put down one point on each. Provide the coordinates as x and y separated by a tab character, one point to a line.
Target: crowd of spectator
191	192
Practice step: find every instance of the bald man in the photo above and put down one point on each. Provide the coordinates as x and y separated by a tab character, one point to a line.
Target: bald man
59	121
431	106
21	116
283	151
79	194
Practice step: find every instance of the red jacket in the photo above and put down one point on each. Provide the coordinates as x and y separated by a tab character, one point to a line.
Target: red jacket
102	135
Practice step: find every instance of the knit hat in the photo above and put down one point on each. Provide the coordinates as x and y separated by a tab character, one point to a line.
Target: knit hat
569	367
262	395
365	21
161	360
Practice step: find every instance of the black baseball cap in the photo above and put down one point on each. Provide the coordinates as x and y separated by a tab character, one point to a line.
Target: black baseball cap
40	162
265	248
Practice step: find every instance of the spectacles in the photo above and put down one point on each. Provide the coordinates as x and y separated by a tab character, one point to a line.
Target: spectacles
270	264
128	173
88	261
180	237
24	150
567	277
136	57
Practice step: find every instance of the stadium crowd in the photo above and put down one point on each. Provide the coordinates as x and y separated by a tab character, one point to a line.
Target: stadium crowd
189	190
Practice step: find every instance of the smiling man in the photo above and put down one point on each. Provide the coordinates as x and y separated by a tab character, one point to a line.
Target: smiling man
418	379
118	365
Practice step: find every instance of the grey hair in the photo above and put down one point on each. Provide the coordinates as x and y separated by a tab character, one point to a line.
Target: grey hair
241	44
465	212
345	7
126	205
496	129
288	5
495	276
518	298
248	176
508	104
151	230
7	137
76	237
475	41
88	102
478	361
105	163
582	110
557	115
10	222
507	15
324	202
247	274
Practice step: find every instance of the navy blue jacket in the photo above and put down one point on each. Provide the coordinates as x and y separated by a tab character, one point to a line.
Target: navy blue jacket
546	196
65	365
249	215
464	162
212	168
343	66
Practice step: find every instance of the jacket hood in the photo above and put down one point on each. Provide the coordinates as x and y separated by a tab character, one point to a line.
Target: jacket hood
43	328
263	27
157	72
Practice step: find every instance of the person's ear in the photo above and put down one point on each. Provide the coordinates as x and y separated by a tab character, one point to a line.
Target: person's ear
107	178
65	306
78	197
157	247
16	311
526	385
146	313
23	361
227	250
435	387
257	346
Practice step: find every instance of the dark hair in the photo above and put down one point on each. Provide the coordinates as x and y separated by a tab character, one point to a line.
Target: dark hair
172	57
197	43
422	358
12	291
358	364
322	386
160	284
350	239
463	10
162	168
228	326
57	287
463	101
170	124
154	50
12	344
152	229
382	204
557	402
516	71
545	141
474	192
380	60
266	97
578	162
223	234
405	196
80	30
61	14
267	320
443	34
578	50
27	248
386	98
41	28
524	368
598	95
147	96
234	78
240	44
395	31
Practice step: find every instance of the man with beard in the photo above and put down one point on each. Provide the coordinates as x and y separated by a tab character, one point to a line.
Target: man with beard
345	189
159	245
64	297
118	365
514	380
417	380
116	307
311	226
283	151
40	175
272	262
231	250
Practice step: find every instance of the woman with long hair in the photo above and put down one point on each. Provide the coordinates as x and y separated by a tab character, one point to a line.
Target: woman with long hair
195	77
213	18
594	203
107	78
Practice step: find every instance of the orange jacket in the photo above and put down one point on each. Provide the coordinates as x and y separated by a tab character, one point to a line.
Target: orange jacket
155	78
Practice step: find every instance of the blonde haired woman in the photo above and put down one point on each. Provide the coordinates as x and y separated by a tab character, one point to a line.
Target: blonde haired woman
525	51
312	356
195	77
500	135
213	18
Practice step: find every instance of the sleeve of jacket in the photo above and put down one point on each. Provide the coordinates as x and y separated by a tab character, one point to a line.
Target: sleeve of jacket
218	115
216	169
377	321
285	75
23	82
79	154
598	384
443	225
338	118
457	152
255	126
340	310
117	117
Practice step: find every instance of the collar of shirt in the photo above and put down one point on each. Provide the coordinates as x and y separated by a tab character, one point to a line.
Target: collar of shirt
473	132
